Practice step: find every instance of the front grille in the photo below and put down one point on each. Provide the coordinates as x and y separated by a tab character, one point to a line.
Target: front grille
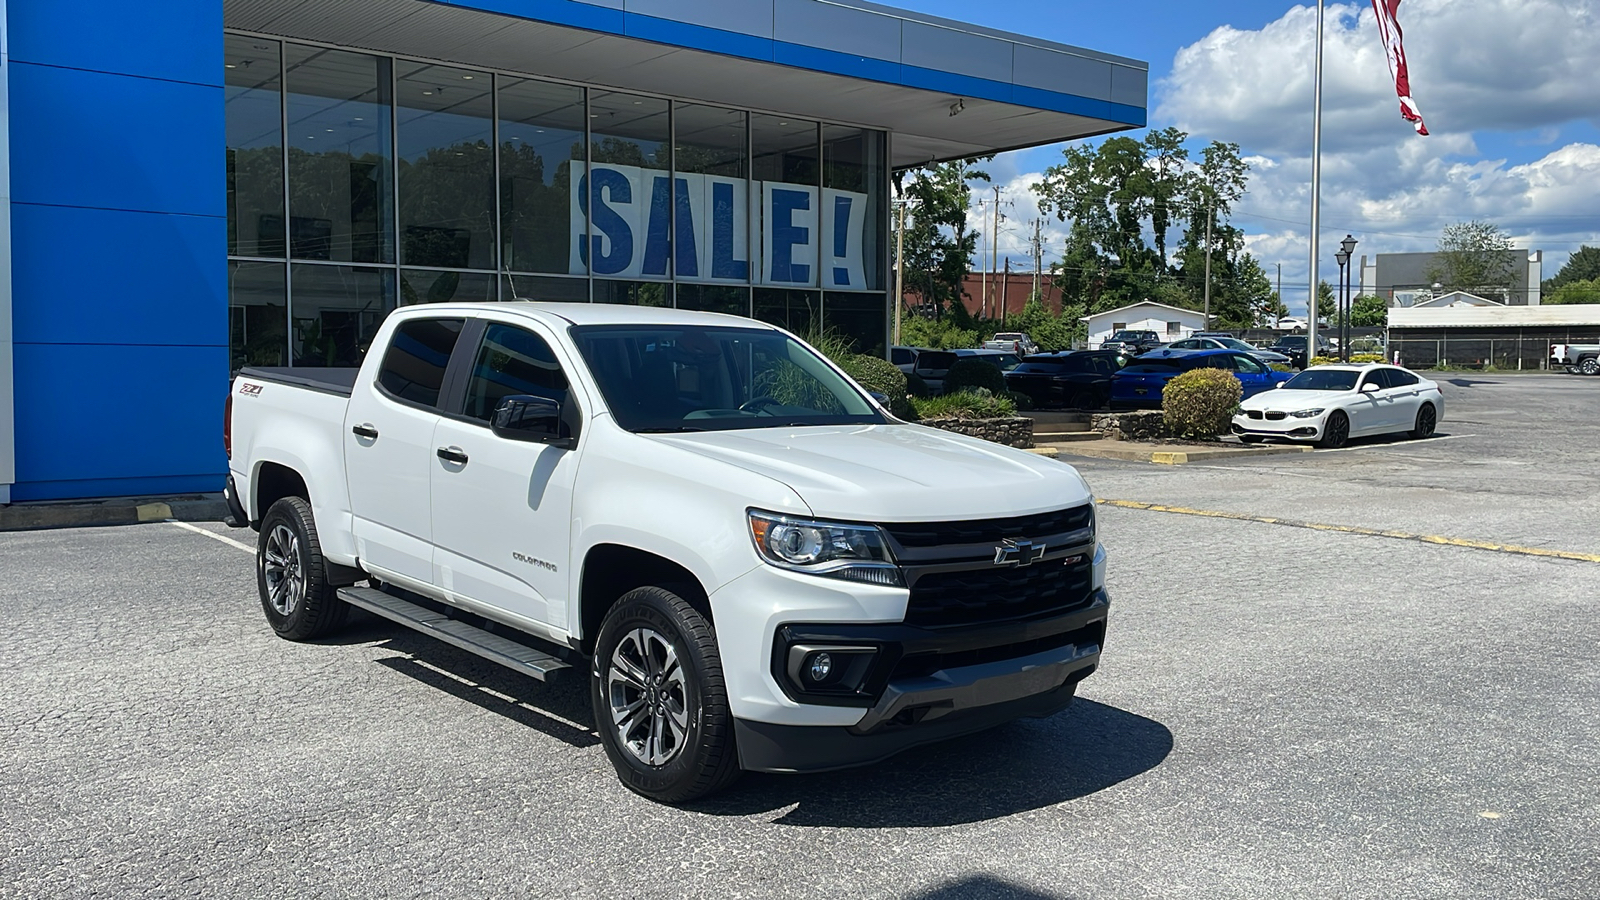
979	531
1000	593
1254	413
1276	416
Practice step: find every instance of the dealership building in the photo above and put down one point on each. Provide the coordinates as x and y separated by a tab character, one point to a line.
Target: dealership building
194	186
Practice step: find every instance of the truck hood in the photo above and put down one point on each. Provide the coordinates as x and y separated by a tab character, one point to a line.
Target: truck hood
894	473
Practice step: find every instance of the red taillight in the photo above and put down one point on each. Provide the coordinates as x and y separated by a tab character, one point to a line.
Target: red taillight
227	426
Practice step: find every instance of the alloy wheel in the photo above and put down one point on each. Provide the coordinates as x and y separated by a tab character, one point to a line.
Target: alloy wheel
286	580
1426	420
648	696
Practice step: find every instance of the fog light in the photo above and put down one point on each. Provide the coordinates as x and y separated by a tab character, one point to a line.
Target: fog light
819	667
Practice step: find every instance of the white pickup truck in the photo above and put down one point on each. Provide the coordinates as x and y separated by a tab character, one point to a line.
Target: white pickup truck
1577	359
757	565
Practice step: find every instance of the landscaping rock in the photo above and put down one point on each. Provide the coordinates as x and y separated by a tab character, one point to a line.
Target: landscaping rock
1013	431
1143	425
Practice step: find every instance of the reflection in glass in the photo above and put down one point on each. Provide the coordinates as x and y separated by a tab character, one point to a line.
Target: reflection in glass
445	164
627	198
545	289
712	195
340	194
633	293
335	312
854	215
794	310
541	133
258	315
861	319
735	301
784	206
429	286
252	104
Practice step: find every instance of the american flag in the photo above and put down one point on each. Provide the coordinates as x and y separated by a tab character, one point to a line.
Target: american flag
1389	30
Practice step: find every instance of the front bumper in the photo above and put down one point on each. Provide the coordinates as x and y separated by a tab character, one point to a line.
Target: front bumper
1288	428
938	684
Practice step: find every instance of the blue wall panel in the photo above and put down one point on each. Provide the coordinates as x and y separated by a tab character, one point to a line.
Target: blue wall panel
116	142
179	40
90	276
92	413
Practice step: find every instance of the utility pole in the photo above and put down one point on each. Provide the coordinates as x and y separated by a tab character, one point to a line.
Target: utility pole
1211	213
1038	259
1276	318
994	242
1005	286
899	269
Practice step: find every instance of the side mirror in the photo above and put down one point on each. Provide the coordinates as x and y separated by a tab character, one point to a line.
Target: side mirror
536	420
1279	385
1369	388
880	397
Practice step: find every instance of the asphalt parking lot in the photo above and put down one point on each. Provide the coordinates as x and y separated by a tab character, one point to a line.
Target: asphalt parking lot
1282	712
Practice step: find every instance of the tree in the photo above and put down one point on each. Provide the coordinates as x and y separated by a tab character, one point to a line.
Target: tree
1575	292
938	244
1368	310
1476	257
1327	306
1581	266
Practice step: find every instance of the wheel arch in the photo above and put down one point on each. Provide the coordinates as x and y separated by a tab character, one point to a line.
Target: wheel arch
272	482
610	570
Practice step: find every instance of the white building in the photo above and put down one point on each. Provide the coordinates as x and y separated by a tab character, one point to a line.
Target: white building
1170	322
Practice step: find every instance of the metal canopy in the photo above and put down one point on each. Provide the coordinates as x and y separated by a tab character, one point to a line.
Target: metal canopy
883	69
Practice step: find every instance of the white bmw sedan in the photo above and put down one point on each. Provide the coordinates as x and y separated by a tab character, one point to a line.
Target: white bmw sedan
1331	404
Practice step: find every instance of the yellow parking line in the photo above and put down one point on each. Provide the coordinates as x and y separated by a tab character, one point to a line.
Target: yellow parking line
1357	529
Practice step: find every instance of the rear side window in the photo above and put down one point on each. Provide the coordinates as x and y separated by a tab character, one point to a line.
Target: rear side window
414	365
1401	378
935	360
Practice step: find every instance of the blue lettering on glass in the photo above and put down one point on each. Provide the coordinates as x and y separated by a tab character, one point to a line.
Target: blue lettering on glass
841	239
785	234
657	234
688	261
604	184
723	265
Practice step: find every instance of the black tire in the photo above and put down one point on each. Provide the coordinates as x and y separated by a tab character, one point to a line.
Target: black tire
1590	366
1337	432
1427	419
702	759
289	557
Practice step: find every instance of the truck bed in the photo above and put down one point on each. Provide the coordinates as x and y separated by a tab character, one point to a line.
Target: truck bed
337	381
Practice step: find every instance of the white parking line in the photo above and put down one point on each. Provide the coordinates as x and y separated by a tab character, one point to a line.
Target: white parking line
214	536
1410	443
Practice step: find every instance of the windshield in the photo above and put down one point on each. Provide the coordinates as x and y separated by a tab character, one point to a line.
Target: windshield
700	378
1323	380
1128	336
1235	344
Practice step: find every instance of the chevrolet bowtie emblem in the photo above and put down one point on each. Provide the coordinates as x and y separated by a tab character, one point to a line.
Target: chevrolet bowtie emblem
1017	553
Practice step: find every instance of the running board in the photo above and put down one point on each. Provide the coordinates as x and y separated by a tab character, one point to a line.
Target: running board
492	647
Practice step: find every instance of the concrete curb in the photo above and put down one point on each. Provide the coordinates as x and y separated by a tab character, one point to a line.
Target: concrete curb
120	511
1149	454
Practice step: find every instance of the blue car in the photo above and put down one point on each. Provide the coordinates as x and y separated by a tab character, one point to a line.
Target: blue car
1139	385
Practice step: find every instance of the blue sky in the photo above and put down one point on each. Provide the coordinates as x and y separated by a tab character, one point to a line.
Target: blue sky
1507	87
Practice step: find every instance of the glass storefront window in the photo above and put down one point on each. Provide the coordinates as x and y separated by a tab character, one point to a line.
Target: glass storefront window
258	315
711	153
545	289
627	198
854	217
784	201
633	293
252	100
794	310
432	286
445	166
735	301
340	192
335	311
858	317
541	134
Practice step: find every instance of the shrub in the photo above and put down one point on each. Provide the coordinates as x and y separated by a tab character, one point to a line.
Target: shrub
1200	403
974	373
974	404
1281	367
1020	401
1355	359
880	375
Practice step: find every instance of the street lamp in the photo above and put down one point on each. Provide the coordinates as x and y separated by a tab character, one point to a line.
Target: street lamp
1347	249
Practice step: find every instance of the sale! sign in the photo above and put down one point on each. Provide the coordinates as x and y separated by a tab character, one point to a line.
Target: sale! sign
728	229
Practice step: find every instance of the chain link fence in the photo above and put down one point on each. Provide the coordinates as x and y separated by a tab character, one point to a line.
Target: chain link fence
1478	348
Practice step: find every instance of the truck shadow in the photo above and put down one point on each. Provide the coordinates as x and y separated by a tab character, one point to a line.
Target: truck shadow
986	886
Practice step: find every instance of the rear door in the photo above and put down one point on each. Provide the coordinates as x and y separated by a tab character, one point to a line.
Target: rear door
1403	389
1373	411
388	448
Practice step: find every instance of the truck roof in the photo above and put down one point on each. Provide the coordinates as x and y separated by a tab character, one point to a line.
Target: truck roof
594	313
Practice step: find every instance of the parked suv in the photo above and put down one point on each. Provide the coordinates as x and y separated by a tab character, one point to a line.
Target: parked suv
1132	343
1294	347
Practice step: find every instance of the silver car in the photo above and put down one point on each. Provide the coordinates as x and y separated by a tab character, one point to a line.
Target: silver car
1228	343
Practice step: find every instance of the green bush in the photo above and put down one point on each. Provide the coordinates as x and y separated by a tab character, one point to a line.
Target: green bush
974	373
1281	367
1020	401
973	404
880	375
1200	403
1355	359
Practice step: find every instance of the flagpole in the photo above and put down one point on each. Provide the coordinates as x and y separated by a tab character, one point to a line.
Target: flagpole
1316	197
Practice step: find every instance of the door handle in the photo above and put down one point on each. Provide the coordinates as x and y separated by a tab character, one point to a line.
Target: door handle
364	430
452	454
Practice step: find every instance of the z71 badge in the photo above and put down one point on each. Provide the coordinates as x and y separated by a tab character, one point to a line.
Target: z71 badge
250	390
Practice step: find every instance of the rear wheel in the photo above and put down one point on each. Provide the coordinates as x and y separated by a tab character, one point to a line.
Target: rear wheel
660	702
1337	432
1590	366
300	603
1427	419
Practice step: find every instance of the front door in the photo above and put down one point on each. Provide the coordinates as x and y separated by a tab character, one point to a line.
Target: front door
502	509
1253	375
388	448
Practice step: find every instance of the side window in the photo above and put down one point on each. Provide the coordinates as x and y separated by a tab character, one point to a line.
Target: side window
1118	326
1400	378
510	361
1248	364
1378	377
900	357
1174	328
419	352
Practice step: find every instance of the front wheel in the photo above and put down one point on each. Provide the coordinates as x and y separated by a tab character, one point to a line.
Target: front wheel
1426	420
1590	366
1337	432
295	594
660	703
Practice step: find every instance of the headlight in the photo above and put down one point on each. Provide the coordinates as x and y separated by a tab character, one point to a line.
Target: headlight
832	549
1307	413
